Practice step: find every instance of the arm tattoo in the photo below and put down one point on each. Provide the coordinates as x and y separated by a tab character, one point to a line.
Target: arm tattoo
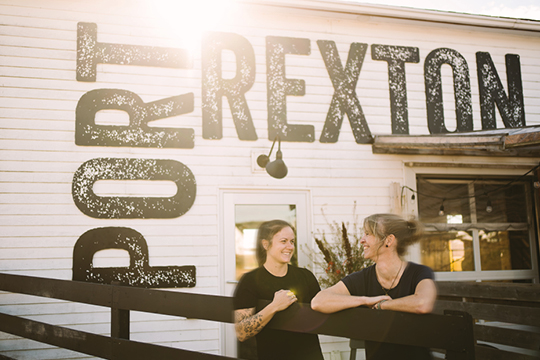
248	324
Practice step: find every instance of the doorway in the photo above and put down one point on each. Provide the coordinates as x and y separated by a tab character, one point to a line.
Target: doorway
241	213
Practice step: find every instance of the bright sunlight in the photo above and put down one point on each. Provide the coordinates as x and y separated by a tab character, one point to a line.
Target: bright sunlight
189	19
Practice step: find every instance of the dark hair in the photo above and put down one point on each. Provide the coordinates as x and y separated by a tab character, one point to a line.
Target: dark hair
267	230
407	232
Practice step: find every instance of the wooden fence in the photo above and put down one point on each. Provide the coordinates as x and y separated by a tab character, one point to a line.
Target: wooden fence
452	333
506	315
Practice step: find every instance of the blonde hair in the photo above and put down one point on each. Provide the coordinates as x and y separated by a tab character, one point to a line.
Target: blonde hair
406	232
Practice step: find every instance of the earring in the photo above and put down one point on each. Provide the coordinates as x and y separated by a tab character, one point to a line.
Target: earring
386	245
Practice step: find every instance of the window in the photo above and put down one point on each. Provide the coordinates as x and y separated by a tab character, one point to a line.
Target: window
482	229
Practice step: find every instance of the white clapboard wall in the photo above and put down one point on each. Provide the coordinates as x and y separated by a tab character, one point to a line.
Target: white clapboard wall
39	92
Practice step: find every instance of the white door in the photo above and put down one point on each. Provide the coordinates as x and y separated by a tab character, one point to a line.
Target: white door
241	212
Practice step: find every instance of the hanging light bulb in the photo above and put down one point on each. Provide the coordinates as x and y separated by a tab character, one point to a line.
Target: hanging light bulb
489	208
441	209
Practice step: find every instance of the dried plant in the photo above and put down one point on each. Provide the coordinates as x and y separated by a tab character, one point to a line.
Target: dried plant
341	253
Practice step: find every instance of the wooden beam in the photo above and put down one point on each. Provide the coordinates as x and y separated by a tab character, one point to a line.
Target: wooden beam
525	139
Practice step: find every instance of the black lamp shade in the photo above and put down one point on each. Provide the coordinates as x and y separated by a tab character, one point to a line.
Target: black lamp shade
277	168
263	160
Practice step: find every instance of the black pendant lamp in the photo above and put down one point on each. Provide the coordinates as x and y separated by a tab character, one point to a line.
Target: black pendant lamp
277	168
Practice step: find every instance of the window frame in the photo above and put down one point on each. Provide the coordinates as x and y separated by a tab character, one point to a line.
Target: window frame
410	209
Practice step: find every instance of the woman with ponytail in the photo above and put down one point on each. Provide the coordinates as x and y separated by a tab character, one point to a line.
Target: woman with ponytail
391	284
281	283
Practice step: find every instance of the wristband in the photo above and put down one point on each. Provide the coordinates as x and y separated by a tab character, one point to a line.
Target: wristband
379	304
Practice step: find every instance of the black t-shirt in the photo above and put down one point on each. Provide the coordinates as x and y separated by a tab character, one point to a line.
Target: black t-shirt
272	344
365	283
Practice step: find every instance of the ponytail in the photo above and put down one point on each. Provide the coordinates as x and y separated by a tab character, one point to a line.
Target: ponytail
406	232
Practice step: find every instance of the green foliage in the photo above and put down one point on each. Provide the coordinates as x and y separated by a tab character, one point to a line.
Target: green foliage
342	253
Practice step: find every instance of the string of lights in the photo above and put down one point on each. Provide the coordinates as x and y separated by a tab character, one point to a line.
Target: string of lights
489	207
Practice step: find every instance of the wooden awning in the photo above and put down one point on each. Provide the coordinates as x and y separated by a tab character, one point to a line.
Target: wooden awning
523	142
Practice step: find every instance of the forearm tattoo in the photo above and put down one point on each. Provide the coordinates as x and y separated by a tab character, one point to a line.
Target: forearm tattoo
247	323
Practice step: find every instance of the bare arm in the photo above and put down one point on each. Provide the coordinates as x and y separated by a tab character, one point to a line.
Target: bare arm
421	302
248	323
338	298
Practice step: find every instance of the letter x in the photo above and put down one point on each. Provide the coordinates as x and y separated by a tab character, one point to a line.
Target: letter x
344	99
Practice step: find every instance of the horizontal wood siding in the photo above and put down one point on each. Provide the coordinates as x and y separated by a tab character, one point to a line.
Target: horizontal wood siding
39	222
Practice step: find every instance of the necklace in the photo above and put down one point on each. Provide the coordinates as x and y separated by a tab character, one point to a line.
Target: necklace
393	281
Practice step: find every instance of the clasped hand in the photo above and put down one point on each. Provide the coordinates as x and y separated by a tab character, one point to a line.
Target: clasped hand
374	300
283	299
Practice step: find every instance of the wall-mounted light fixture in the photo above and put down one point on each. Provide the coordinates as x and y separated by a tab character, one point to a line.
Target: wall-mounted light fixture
276	168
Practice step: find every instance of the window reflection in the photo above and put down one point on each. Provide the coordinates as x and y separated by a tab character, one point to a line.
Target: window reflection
505	250
508	205
448	251
433	193
491	213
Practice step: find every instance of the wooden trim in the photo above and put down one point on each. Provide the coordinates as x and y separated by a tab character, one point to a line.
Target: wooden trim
525	139
500	291
470	165
326	7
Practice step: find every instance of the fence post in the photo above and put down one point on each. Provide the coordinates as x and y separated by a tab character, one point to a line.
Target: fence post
119	317
467	338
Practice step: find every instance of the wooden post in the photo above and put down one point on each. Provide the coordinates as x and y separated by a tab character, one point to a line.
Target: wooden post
119	317
395	198
467	338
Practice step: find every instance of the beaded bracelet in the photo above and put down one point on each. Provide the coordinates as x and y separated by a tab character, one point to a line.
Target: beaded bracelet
379	304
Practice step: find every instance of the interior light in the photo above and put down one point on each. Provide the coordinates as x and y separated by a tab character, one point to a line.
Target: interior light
489	208
441	209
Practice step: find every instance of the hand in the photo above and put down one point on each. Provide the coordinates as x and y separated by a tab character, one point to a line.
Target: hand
283	299
371	301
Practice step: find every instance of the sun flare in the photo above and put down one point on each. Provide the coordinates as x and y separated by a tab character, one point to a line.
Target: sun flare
187	20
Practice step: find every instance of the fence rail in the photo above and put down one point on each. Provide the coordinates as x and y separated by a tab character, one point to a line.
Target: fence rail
452	332
507	316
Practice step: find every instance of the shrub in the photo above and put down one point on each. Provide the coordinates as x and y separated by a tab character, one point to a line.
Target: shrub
341	256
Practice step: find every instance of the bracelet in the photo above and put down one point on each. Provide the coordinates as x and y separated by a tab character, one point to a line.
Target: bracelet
379	304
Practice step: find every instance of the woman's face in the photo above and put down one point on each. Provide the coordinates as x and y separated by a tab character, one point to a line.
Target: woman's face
371	245
281	248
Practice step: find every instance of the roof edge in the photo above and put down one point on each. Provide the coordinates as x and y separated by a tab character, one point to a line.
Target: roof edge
404	13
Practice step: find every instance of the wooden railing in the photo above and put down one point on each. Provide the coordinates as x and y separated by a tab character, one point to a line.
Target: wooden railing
506	315
451	333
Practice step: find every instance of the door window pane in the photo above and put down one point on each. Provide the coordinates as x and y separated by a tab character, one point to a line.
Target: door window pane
248	218
448	251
